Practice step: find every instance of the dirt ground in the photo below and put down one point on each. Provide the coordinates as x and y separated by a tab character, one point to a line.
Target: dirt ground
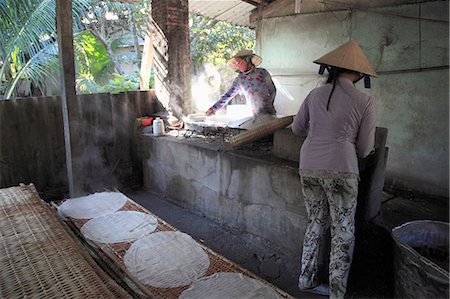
372	272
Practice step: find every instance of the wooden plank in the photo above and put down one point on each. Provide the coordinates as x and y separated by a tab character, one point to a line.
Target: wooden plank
146	63
32	149
70	105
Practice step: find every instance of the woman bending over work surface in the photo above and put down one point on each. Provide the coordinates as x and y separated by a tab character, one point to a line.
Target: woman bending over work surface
255	84
339	122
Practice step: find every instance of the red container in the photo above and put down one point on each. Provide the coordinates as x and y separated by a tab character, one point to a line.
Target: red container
146	121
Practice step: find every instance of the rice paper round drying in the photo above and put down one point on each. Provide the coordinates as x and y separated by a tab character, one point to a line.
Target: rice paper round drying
166	260
229	285
121	226
93	205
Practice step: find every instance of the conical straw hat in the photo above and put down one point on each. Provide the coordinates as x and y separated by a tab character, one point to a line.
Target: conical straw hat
348	56
256	60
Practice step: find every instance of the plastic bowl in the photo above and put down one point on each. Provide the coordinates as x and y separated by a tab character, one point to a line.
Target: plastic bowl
146	121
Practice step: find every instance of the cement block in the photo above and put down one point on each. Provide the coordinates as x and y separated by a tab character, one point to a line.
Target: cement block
257	195
372	173
286	145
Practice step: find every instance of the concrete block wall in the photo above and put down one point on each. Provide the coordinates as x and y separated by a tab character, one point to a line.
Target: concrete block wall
259	196
408	46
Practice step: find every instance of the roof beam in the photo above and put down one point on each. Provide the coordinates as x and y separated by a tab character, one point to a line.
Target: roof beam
272	9
252	2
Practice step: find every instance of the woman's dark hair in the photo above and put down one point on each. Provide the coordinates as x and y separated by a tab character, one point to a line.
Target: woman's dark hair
334	73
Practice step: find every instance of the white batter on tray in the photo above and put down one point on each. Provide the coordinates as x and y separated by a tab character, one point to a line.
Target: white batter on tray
224	285
166	260
121	226
93	205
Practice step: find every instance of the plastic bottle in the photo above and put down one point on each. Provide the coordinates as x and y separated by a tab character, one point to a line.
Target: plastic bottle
158	127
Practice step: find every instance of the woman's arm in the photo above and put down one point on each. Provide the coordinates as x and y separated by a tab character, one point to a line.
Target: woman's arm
366	135
226	97
270	85
301	120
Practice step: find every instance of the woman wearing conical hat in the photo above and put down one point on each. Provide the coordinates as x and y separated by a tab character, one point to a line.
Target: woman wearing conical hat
339	122
255	84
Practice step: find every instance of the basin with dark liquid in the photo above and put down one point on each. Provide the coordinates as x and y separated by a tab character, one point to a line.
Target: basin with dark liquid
421	259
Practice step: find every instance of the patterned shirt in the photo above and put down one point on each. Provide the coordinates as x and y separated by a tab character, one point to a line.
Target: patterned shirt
258	89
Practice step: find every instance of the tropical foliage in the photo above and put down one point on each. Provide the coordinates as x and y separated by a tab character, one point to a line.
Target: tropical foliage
110	26
90	55
28	48
29	52
215	41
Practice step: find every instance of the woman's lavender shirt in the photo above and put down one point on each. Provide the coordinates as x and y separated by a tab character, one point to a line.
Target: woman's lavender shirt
335	138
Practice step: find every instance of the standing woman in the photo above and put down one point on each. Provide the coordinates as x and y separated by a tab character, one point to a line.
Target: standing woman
339	122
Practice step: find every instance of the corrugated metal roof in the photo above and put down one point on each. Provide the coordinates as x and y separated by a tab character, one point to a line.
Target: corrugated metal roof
234	11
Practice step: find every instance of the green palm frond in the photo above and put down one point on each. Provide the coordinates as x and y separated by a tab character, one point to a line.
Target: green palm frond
27	32
42	68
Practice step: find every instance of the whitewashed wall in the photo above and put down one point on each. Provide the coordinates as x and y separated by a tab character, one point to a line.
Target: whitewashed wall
408	46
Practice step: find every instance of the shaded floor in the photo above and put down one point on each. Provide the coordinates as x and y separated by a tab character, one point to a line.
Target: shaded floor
402	208
371	275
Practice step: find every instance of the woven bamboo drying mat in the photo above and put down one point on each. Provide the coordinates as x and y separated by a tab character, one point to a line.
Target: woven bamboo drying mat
39	258
113	255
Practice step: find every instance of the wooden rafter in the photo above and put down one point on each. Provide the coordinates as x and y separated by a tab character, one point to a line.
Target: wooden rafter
252	2
272	8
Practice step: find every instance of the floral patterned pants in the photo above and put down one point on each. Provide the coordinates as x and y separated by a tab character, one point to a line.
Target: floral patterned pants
329	201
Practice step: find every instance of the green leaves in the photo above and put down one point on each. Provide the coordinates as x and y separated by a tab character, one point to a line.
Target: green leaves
28	42
28	47
90	55
120	83
216	41
40	68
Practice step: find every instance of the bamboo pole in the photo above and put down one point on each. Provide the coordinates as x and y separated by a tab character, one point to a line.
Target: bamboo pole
261	131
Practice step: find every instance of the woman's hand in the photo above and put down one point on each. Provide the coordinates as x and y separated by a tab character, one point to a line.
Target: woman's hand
209	112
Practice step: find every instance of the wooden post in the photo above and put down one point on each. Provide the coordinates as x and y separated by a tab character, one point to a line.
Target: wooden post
69	103
146	63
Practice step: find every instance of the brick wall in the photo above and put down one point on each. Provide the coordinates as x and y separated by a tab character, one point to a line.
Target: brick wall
173	69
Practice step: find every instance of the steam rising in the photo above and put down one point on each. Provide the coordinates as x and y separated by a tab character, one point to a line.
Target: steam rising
205	88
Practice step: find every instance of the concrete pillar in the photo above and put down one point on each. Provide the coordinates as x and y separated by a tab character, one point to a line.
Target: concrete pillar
172	61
